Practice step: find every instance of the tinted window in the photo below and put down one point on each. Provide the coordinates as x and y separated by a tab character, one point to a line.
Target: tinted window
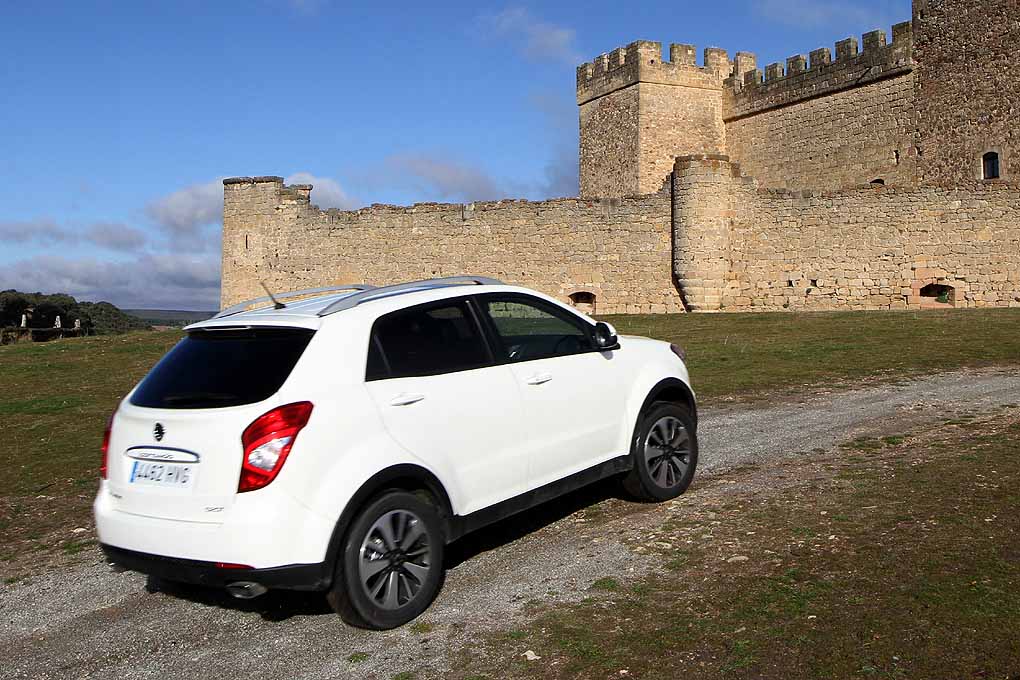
534	331
430	340
213	369
376	368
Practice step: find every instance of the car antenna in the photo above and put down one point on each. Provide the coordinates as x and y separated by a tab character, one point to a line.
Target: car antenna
276	303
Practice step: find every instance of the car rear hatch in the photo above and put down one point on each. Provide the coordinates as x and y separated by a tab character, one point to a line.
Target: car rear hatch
175	446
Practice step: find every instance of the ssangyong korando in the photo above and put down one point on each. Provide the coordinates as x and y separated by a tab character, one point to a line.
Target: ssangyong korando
339	441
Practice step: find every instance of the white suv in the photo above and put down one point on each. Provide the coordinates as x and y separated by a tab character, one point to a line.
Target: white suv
338	442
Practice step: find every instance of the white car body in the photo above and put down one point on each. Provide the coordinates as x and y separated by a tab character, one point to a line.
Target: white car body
494	440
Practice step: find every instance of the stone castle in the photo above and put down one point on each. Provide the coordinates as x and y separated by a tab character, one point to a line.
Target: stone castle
884	176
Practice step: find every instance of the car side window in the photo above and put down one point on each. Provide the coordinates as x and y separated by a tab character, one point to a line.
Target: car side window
533	330
426	340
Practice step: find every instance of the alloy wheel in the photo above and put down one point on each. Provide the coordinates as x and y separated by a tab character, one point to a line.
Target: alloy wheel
667	451
395	559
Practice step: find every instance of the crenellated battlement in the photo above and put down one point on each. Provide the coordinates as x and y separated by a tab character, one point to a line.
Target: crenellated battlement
803	77
641	61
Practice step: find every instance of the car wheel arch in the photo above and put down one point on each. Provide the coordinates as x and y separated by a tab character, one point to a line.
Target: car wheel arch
406	477
672	390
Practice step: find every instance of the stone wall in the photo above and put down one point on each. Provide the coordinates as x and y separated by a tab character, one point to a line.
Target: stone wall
866	248
844	139
827	124
609	145
618	249
968	88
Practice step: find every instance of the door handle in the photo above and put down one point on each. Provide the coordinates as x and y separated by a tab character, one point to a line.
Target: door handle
539	379
406	399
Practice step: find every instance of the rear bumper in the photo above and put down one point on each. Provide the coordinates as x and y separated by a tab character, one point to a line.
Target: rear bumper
289	577
266	529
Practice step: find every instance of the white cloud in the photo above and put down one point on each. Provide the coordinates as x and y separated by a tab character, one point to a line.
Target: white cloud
326	192
185	212
833	13
535	39
116	236
443	178
561	178
173	281
43	231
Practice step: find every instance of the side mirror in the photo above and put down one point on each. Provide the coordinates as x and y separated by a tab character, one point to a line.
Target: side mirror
605	337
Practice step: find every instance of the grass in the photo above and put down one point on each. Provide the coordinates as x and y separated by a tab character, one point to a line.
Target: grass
608	583
745	355
904	566
55	397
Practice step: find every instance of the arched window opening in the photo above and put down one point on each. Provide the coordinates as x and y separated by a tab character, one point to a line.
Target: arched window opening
584	301
990	165
936	292
878	182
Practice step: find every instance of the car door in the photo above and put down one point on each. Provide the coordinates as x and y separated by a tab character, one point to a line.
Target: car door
442	397
572	403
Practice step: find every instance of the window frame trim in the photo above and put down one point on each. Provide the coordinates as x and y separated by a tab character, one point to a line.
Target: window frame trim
586	326
998	151
473	316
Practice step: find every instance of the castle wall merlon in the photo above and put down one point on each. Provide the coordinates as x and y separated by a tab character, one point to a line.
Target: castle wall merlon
803	77
641	61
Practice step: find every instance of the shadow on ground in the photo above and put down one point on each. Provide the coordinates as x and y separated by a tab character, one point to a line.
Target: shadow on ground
280	605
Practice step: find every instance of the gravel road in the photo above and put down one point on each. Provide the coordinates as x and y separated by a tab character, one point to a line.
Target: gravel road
86	621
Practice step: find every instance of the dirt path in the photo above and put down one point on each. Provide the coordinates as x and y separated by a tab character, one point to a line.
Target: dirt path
86	621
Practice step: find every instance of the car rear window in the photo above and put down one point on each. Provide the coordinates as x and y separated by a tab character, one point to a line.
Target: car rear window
219	368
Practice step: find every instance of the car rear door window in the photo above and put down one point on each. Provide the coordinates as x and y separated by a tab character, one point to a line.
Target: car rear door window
531	329
216	368
427	340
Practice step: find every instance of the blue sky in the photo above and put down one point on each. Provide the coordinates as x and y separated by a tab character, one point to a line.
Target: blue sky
118	119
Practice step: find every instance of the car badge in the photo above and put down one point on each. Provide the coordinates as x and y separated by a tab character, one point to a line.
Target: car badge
158	432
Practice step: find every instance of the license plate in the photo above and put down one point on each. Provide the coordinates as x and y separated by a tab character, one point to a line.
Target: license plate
163	474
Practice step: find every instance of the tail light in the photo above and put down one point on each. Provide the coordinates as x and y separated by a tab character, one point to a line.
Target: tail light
103	462
679	351
267	441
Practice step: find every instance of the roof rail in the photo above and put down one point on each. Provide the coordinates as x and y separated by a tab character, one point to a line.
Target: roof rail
242	306
356	299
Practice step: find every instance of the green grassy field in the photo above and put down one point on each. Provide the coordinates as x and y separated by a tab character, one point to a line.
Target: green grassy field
748	355
55	397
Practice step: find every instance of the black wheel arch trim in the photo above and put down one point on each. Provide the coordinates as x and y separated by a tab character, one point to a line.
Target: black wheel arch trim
669	384
395	477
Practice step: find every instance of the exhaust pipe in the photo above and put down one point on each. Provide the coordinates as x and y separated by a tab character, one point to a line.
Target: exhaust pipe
246	590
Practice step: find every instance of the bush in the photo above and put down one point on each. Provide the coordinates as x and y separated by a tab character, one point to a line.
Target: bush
97	318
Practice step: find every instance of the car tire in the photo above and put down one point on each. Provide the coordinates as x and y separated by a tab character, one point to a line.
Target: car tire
664	453
391	565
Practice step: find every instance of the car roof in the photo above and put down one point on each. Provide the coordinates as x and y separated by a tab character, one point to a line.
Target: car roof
313	309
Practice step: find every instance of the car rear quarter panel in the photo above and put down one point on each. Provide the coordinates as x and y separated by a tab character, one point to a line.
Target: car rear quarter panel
345	442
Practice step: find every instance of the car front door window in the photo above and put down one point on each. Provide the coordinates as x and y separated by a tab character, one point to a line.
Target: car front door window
529	332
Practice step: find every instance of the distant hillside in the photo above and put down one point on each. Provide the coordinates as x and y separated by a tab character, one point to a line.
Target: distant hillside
169	317
97	318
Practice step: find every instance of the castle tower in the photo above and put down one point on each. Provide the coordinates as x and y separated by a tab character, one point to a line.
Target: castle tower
967	91
637	113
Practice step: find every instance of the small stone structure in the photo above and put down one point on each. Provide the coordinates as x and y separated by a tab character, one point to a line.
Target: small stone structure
885	175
